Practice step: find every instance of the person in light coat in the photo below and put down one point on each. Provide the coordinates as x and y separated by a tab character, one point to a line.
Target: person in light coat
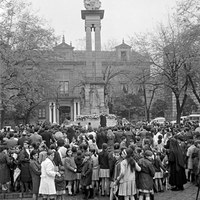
48	173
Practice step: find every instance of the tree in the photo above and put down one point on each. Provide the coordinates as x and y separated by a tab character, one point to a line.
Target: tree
190	106
25	44
149	84
158	108
170	49
189	16
109	73
128	104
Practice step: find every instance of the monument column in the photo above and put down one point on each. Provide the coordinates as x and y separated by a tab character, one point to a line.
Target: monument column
88	38
97	38
94	83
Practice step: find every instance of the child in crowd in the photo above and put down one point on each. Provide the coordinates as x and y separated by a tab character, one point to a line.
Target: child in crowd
159	169
145	178
95	171
78	161
86	175
60	184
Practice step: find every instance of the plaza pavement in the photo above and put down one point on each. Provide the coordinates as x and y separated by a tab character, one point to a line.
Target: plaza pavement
188	194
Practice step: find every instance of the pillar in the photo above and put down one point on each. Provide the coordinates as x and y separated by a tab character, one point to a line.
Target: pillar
52	112
74	111
79	108
97	38
88	38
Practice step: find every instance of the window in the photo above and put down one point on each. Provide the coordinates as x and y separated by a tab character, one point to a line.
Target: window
64	87
123	55
42	113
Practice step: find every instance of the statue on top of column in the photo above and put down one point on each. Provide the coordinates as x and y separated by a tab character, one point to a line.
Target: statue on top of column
92	4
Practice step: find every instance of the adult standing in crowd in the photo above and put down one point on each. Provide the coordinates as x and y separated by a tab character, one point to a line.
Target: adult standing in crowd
35	170
47	183
176	163
35	137
4	169
12	141
47	135
24	159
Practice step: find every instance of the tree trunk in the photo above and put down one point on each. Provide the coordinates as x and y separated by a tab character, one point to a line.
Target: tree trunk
27	117
178	110
148	115
194	89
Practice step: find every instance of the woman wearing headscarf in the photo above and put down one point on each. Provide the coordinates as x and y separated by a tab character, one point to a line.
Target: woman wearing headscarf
177	176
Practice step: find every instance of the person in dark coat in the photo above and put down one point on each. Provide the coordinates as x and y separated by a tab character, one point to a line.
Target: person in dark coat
25	176
70	171
104	172
101	138
86	174
145	176
177	176
4	168
78	160
22	139
35	170
47	135
103	120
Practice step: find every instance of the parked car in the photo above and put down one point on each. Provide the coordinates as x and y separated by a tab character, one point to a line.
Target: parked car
158	120
194	118
181	120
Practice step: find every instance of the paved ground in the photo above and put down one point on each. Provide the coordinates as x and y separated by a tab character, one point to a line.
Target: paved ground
188	194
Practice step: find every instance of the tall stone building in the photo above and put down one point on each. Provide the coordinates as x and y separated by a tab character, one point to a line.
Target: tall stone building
82	76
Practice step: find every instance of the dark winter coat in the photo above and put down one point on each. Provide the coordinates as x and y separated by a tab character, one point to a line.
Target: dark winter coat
70	166
4	168
24	160
145	176
103	160
86	174
177	171
35	170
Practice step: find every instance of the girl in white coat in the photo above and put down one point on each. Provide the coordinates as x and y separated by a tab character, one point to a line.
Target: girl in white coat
48	173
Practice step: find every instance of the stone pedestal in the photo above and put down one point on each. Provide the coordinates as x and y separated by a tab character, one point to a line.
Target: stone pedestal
94	99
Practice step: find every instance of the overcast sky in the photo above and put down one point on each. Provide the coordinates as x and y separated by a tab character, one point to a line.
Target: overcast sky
122	18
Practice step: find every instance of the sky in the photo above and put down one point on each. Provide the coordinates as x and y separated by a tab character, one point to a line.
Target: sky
122	18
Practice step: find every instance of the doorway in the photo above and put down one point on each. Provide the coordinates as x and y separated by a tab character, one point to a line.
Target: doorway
64	114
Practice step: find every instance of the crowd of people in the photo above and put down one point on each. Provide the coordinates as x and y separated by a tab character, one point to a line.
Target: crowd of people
121	162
